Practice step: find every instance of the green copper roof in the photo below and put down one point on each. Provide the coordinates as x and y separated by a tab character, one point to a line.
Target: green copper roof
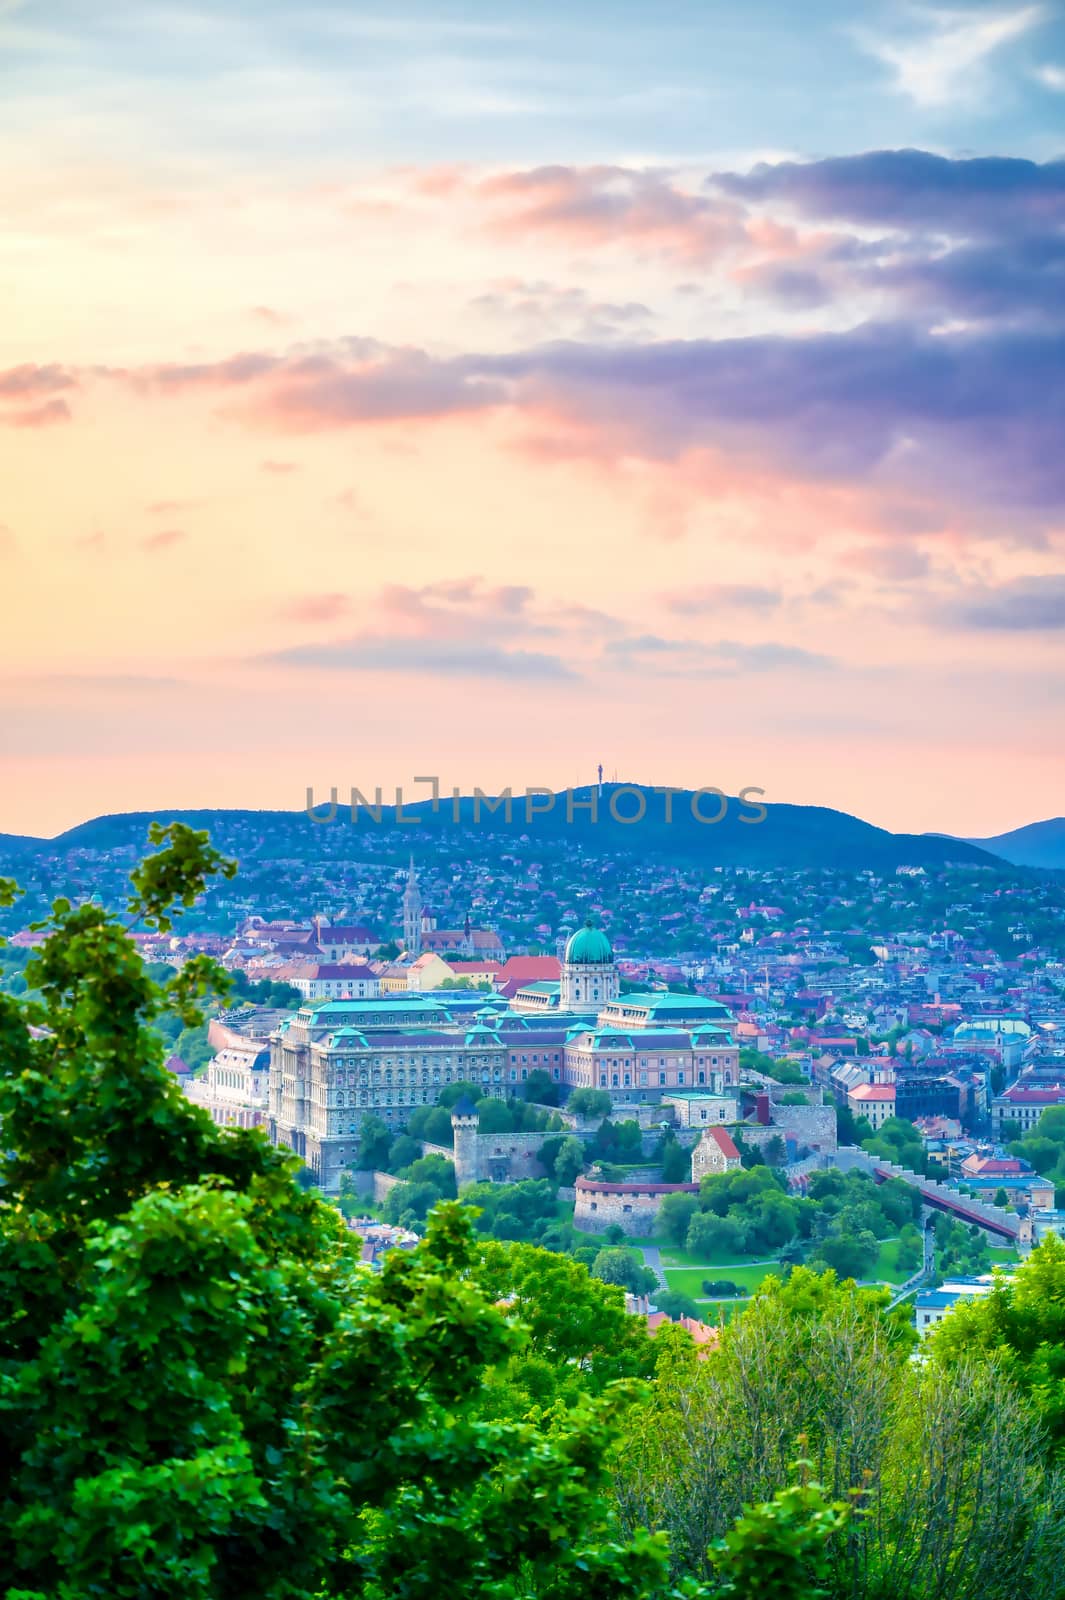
589	946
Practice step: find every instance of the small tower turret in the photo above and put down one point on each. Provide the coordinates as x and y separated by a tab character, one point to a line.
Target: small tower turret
465	1125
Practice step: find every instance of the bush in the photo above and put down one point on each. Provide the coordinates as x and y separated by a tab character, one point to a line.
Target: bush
589	1103
719	1288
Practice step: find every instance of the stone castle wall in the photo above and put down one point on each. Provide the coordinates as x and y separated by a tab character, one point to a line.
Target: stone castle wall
812	1125
633	1207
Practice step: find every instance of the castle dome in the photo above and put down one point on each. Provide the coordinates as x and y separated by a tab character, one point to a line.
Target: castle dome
589	946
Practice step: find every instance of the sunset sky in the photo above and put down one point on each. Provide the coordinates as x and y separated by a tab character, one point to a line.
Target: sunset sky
494	390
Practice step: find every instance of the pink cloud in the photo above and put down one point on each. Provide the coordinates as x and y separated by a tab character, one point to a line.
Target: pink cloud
607	205
28	381
316	608
164	540
45	415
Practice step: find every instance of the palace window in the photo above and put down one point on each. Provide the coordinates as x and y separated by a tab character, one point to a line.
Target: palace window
661	1077
614	1080
702	1077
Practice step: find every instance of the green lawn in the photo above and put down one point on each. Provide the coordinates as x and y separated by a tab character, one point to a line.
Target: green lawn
673	1257
887	1268
1003	1256
689	1280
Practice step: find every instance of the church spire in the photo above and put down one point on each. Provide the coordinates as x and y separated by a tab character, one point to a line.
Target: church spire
412	913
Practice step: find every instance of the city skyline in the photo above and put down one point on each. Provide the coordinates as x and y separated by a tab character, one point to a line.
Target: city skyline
492	395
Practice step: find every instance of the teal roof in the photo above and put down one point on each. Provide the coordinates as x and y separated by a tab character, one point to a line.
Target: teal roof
656	1000
589	946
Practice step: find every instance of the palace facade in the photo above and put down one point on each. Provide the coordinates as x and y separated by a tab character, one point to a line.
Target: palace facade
336	1061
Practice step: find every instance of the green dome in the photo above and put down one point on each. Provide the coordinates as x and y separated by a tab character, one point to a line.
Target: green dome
589	946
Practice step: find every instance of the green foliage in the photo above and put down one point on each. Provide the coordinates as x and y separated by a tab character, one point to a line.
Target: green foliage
524	1210
783	1070
203	1393
618	1141
676	1305
618	1265
579	1337
568	1161
375	1142
780	1547
589	1103
540	1087
1020	1326
899	1141
675	1215
676	1162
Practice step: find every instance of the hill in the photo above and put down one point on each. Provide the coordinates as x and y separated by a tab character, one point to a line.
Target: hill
1040	844
787	836
19	844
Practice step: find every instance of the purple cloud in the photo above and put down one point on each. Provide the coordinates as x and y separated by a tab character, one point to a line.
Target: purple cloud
1023	605
911	189
443	657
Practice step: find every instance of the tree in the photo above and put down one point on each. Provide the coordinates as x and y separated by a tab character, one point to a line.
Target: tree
713	1238
404	1151
775	1151
850	1257
569	1163
675	1215
1020	1326
452	1093
589	1103
540	1087
676	1162
676	1305
780	1547
204	1395
375	1141
494	1116
621	1267
576	1325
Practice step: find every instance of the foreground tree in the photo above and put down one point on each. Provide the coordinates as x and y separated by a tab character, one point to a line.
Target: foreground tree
202	1394
1020	1328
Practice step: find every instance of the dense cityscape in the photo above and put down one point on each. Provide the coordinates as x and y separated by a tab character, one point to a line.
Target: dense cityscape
880	1021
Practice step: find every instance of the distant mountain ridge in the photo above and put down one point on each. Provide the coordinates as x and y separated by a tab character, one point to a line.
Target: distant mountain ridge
1039	844
789	836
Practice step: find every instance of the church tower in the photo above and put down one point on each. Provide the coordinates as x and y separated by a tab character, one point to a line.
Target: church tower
412	914
589	976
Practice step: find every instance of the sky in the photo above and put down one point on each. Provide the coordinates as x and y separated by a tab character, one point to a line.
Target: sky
492	391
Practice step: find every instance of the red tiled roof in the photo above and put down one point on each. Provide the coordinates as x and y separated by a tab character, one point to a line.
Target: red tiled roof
724	1141
531	969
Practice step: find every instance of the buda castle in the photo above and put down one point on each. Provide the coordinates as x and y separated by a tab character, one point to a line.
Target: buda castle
335	1061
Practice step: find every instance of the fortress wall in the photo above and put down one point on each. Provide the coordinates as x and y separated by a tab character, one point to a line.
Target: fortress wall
632	1207
812	1125
383	1183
